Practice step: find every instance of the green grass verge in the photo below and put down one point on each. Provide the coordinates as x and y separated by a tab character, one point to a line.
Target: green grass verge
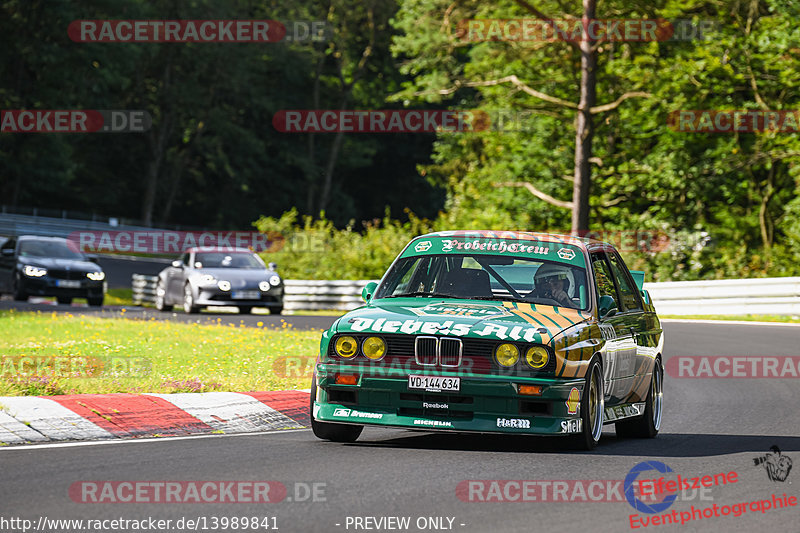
66	354
119	297
747	318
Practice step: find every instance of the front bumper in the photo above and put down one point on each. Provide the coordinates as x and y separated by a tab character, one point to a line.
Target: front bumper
47	286
215	296
485	403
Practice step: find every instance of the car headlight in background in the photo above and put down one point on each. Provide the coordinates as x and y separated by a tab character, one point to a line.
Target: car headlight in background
537	356
506	354
275	280
96	276
224	285
374	348
34	272
264	285
207	279
346	346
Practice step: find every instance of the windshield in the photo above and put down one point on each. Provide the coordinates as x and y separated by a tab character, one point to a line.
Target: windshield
228	260
51	249
487	277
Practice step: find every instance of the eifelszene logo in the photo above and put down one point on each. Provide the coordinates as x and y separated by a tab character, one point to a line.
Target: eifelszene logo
777	466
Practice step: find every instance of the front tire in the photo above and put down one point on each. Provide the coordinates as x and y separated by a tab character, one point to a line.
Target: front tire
161	298
328	430
19	291
647	425
64	300
96	302
592	408
245	310
188	301
276	310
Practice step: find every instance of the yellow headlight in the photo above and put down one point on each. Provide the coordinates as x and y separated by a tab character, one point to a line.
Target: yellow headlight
374	348
537	356
506	355
346	346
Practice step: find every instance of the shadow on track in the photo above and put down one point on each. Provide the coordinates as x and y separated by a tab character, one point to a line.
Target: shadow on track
664	445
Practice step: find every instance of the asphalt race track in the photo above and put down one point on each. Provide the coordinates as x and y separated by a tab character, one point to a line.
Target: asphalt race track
710	426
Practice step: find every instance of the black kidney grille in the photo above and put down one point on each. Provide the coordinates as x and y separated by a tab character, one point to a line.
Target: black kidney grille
426	351
66	274
449	352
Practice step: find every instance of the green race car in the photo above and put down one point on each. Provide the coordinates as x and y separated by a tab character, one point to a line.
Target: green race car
495	332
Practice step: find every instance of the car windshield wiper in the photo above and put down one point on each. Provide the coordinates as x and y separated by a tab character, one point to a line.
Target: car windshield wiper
509	298
422	293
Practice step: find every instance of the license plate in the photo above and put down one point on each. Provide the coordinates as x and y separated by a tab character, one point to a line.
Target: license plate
68	283
434	383
246	295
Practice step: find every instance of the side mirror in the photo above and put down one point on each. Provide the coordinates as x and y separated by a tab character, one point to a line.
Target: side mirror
176	264
273	266
606	307
368	291
646	297
93	259
8	252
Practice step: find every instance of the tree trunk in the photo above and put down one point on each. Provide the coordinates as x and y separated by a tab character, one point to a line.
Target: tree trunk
584	130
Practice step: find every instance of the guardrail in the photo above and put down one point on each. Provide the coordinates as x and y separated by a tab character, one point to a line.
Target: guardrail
758	296
761	296
144	288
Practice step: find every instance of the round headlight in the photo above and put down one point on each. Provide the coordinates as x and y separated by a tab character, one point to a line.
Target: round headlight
346	346
374	348
263	285
537	356
224	285
207	279
275	280
506	355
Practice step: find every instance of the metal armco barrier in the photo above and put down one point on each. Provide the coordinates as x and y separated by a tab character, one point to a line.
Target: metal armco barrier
144	288
759	296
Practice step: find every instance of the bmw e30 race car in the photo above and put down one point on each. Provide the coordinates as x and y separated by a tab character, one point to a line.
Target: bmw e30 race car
495	332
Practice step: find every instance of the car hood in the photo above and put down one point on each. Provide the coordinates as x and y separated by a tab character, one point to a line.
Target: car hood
477	319
245	274
61	264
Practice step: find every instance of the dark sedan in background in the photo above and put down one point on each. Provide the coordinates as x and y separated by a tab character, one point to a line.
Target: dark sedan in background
48	266
236	277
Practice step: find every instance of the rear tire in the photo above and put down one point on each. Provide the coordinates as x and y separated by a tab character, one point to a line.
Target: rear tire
647	425
328	430
245	310
592	408
64	300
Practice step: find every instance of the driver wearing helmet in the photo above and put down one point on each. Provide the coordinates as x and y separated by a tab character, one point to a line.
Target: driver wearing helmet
552	282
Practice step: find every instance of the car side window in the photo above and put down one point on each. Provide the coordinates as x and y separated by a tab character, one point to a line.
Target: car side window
8	245
602	277
185	259
630	301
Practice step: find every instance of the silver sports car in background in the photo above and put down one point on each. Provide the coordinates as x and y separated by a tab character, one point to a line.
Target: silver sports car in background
235	277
